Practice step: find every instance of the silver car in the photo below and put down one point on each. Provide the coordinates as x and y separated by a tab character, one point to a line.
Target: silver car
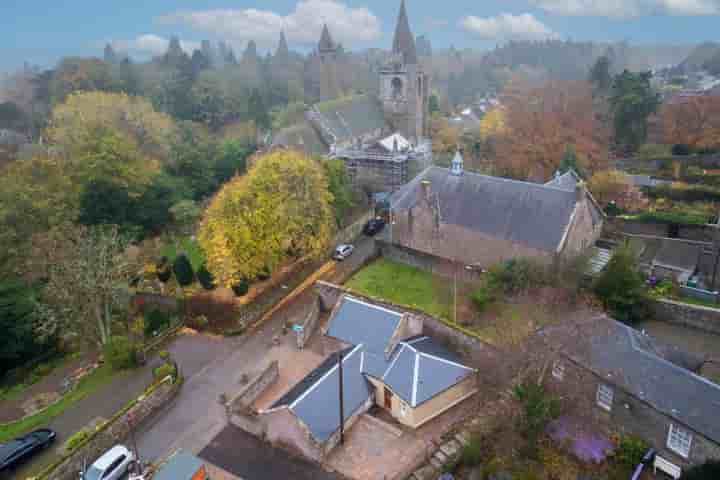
113	465
343	251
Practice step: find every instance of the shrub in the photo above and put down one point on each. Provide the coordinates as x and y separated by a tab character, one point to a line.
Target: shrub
630	451
164	272
241	288
164	355
164	370
155	322
183	270
120	353
205	278
265	274
472	452
621	288
76	440
483	297
539	409
515	276
709	470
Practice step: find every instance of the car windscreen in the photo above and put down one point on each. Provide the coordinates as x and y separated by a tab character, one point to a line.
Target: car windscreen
93	473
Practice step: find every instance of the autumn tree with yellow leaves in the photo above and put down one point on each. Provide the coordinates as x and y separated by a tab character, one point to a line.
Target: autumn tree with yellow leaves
280	209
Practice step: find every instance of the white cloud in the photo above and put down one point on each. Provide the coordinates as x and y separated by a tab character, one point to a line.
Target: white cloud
302	25
150	44
508	27
624	9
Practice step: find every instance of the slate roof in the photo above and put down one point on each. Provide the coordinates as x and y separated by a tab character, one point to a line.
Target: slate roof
527	213
422	369
632	361
301	136
360	323
416	370
566	181
352	117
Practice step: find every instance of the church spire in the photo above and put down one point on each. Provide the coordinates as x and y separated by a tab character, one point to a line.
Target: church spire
282	50
326	42
404	42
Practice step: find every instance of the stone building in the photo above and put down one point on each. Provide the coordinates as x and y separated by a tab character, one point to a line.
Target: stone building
450	216
623	380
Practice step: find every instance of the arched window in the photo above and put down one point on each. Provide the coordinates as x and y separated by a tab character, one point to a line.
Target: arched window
397	87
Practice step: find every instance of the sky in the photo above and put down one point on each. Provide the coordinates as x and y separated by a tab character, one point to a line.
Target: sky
42	31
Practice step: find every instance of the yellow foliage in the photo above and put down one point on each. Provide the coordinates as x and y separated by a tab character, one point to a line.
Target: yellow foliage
281	207
493	124
134	117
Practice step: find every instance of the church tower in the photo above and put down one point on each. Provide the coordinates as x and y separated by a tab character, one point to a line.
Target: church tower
328	52
404	89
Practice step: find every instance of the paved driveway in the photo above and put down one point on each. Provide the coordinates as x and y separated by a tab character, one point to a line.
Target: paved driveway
250	459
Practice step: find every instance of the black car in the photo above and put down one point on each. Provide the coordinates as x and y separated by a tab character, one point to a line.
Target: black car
374	226
22	448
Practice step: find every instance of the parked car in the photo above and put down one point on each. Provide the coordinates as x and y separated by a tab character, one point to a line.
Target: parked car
14	452
112	465
373	227
342	252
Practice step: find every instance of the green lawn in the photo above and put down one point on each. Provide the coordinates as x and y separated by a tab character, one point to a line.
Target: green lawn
189	246
404	285
87	385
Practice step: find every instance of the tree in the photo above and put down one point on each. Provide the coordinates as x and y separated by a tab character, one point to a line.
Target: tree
131	117
13	118
600	76
434	104
542	122
621	289
109	55
104	202
231	160
709	470
192	156
257	110
615	186
695	122
632	101
281	206
493	124
341	189
445	136
87	273
569	161
23	336
79	74
185	213
182	268
539	408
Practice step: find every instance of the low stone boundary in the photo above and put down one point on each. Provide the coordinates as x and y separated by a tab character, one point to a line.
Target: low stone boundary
702	318
309	325
114	431
352	231
239	408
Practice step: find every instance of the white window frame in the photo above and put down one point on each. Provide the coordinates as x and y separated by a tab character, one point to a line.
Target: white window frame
558	370
605	396
679	440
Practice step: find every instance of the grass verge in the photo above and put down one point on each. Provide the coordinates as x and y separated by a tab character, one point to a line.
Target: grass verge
404	285
101	376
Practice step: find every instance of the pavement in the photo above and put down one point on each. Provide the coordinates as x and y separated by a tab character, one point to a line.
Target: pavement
245	456
196	417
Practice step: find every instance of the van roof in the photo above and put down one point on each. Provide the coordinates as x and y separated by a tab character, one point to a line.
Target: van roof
108	457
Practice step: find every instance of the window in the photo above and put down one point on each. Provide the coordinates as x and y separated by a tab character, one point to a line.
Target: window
679	440
558	370
605	396
397	87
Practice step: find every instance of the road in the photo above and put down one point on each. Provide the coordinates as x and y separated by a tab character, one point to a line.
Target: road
196	417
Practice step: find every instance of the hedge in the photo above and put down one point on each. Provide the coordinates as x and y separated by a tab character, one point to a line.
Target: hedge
685	193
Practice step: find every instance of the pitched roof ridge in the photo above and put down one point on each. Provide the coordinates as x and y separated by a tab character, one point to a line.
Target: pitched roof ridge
392	364
444	360
541	186
416	375
371	305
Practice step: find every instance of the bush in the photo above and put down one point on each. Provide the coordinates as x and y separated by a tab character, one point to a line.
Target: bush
164	272
621	288
76	440
472	453
164	370
120	353
539	409
155	322
630	452
483	297
709	470
164	355
205	278
683	192
241	288
183	270
516	275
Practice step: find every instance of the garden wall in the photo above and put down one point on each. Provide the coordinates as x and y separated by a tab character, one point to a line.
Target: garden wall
352	231
309	325
615	227
696	316
116	431
423	261
244	399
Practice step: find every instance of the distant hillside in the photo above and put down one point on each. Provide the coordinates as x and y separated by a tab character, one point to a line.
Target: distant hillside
700	56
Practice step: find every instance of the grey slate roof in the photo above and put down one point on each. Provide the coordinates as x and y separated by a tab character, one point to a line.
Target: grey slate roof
301	136
318	406
352	117
359	323
531	214
632	361
566	181
181	466
423	369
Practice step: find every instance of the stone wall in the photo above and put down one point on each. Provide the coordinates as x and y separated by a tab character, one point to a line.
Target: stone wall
242	401
310	324
703	318
629	415
116	432
616	227
424	261
352	231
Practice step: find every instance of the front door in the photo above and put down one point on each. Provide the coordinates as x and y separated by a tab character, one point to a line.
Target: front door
388	399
